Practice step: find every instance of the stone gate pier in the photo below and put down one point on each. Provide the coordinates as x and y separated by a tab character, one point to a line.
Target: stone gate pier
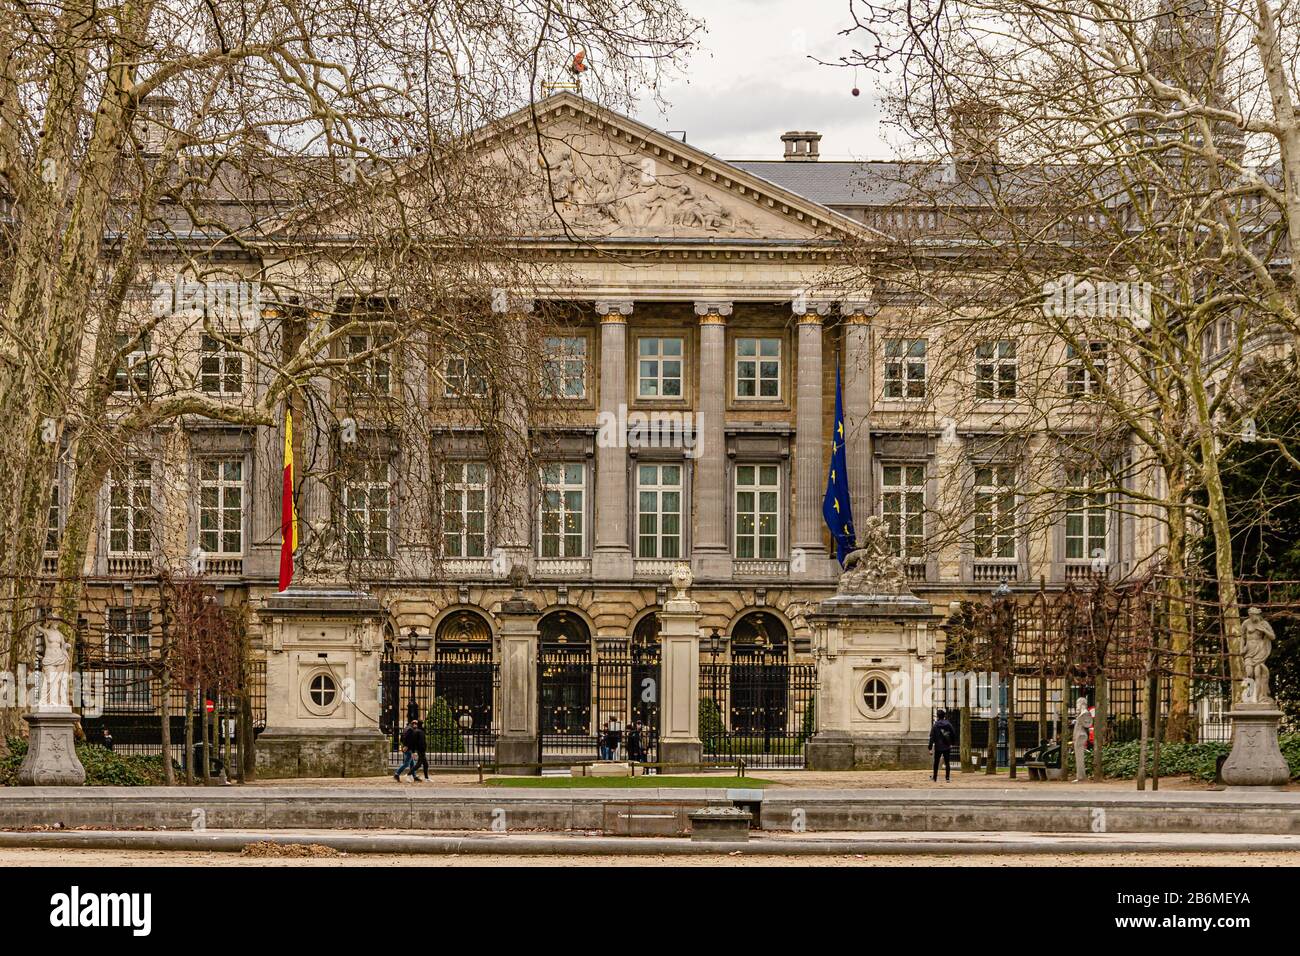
875	644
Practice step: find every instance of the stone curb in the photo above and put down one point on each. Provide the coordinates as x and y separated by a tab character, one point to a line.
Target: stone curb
234	841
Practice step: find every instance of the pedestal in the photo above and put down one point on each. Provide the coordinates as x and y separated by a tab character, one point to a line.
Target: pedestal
679	714
322	672
872	709
51	759
1256	761
517	742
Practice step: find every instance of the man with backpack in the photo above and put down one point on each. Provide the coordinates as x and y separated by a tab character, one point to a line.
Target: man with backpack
942	737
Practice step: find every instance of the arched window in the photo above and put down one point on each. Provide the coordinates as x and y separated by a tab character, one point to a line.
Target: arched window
760	635
463	634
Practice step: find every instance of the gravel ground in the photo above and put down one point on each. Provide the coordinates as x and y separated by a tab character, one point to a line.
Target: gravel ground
118	858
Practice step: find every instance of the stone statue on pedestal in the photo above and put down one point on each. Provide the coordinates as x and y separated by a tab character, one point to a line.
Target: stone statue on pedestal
319	563
1257	635
872	568
1082	724
55	670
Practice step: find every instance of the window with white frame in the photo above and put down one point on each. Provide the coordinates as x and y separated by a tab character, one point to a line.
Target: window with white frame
221	506
995	512
659	511
758	511
370	362
130	508
367	506
563	525
659	367
221	367
52	519
758	367
464	509
995	369
1086	519
1084	374
902	505
132	373
464	377
905	370
564	372
127	679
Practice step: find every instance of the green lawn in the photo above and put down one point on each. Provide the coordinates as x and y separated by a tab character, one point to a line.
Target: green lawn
561	783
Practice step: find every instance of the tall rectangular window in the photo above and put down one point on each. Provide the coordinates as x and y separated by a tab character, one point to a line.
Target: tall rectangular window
758	511
132	373
52	519
464	509
221	368
1085	520
905	370
563	519
659	511
659	367
564	375
130	509
902	504
370	362
995	369
127	679
1085	374
221	506
995	511
367	504
758	367
464	377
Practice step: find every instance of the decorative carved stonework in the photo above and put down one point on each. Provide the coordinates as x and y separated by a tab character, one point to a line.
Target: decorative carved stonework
871	569
628	196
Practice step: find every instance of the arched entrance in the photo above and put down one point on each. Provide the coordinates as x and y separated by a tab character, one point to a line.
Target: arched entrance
564	678
459	725
757	705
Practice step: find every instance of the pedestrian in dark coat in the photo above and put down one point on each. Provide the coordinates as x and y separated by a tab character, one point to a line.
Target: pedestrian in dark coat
942	738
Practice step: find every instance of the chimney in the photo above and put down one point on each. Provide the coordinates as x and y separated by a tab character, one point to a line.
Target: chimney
973	130
153	121
801	147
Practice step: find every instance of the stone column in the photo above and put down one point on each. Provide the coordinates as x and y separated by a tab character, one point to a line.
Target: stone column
612	555
517	743
856	382
808	551
711	553
513	474
679	639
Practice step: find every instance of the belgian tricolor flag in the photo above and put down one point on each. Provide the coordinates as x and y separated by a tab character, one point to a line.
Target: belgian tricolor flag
288	513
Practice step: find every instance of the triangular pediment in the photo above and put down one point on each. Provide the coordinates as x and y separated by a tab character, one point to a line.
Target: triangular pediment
588	173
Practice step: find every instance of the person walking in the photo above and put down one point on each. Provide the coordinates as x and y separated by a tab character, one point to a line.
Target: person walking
421	749
635	748
615	739
942	737
408	753
105	739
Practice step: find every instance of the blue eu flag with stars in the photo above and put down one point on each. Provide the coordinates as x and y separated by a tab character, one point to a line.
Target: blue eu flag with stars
836	508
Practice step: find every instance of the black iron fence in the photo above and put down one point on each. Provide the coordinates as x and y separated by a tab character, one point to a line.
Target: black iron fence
121	702
603	707
454	695
757	708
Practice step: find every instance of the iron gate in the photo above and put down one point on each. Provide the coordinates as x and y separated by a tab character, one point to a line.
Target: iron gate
454	695
613	699
758	707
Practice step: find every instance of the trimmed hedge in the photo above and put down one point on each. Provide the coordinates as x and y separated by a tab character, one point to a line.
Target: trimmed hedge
104	768
442	733
1178	759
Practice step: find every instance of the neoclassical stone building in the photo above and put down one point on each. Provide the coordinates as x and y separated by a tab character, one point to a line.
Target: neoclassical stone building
708	305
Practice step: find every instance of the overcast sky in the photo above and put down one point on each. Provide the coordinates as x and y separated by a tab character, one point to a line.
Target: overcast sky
752	79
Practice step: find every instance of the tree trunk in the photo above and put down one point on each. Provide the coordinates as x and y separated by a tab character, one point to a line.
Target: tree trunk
189	738
1099	727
